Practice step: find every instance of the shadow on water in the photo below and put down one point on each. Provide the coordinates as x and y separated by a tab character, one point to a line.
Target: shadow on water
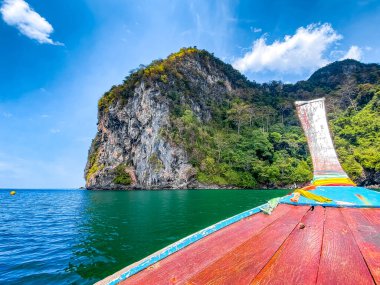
119	228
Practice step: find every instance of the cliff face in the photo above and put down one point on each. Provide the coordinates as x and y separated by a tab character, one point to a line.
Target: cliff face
192	121
130	125
129	138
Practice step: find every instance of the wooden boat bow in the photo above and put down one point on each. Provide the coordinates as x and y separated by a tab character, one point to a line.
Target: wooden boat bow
303	242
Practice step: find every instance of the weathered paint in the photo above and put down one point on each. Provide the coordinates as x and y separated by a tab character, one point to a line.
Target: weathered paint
365	227
341	260
241	264
307	241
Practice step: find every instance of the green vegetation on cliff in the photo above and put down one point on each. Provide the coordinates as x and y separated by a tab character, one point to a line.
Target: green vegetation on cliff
253	156
122	177
357	133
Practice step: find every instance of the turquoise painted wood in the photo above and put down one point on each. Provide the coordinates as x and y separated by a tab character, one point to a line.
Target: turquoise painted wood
342	196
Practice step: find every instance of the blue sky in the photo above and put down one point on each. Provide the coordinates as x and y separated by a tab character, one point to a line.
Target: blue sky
58	57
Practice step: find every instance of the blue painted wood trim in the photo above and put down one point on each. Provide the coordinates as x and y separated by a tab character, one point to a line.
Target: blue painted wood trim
341	196
165	252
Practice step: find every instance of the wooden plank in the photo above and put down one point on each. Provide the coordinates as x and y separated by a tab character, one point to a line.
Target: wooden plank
367	236
178	267
372	214
242	264
297	260
341	261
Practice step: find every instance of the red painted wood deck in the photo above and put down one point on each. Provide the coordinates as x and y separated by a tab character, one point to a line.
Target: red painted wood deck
335	246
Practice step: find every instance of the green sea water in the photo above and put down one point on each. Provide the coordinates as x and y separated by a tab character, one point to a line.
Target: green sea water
80	237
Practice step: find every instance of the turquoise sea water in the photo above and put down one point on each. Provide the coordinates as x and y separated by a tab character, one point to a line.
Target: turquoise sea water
80	237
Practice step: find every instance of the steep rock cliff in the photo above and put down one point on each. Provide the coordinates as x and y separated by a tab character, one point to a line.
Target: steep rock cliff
132	117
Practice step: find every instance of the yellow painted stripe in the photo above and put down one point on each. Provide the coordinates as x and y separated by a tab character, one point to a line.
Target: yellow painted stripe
345	181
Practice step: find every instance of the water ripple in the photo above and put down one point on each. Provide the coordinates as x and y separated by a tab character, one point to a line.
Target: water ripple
80	237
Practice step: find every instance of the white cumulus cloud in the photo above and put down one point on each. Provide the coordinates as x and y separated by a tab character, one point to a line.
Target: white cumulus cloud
302	52
353	53
18	13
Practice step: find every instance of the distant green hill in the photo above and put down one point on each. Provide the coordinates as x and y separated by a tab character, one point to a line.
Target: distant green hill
192	121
